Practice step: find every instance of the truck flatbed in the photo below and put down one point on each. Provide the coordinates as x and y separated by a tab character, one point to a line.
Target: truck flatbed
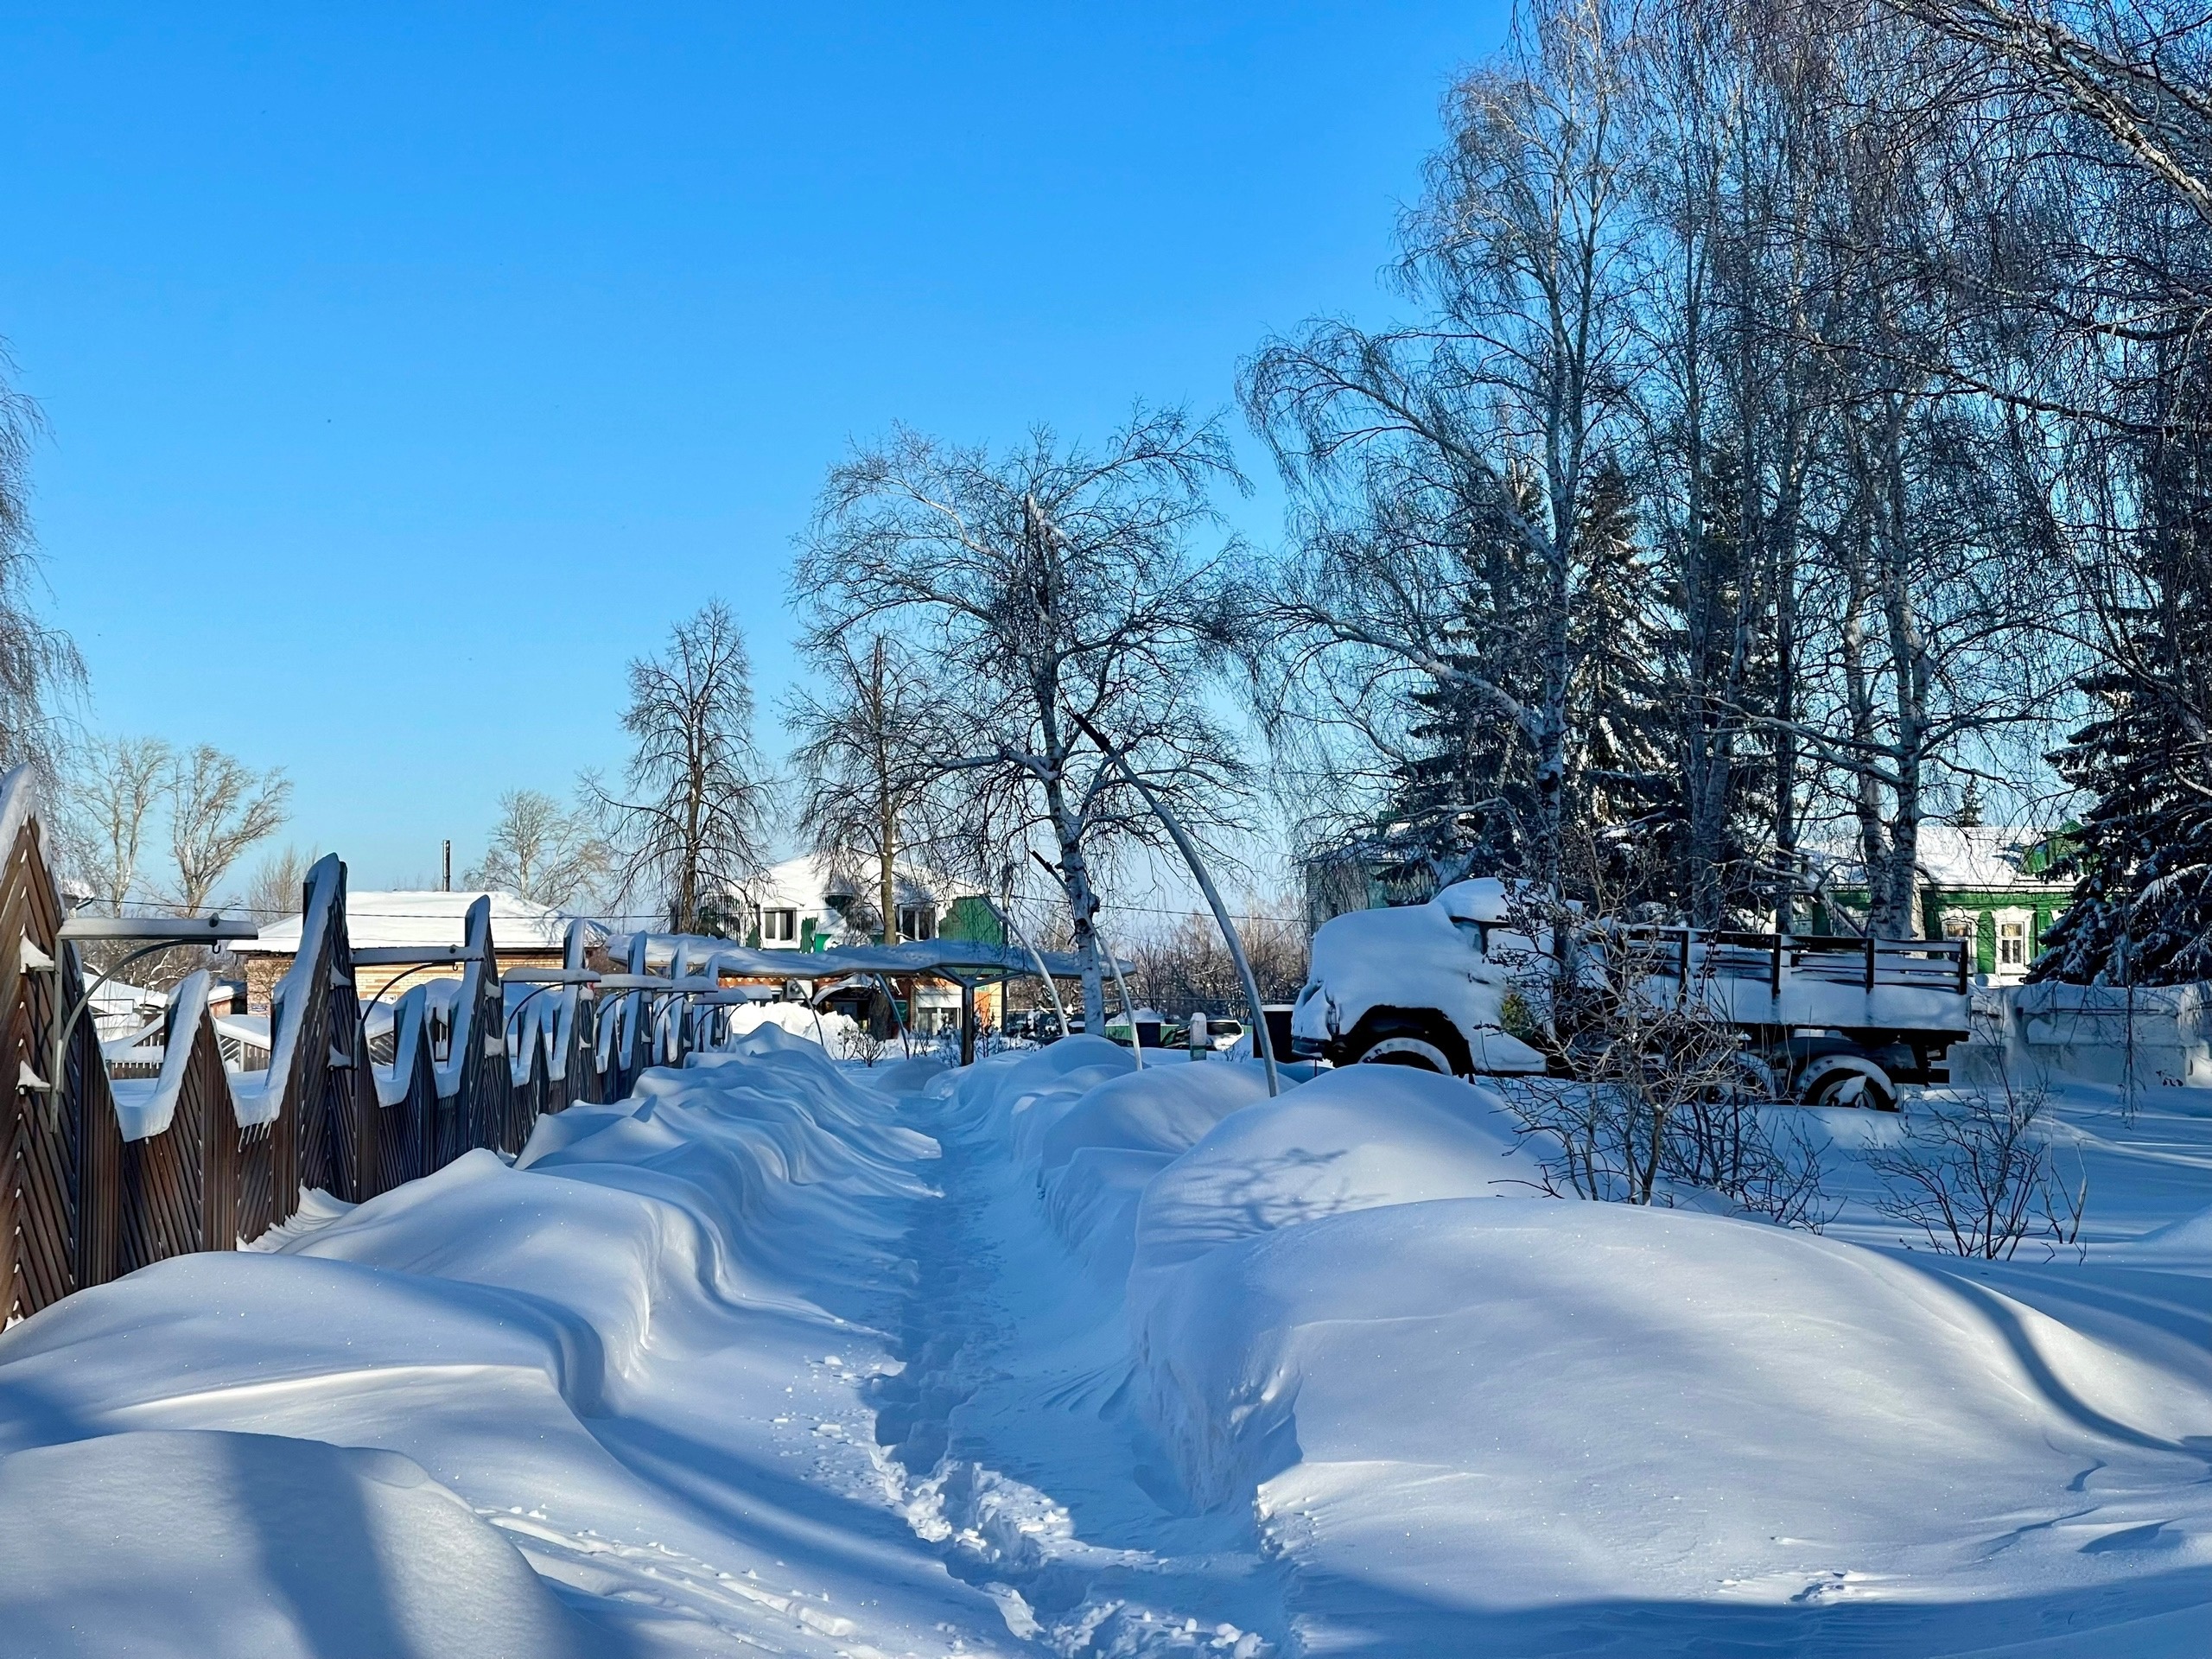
1782	982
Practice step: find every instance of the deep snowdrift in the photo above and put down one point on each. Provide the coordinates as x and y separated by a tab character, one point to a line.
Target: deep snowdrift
250	1544
640	1357
1455	1408
1050	1355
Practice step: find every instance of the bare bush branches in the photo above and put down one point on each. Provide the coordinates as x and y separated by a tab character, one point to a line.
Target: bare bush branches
1980	1176
1187	969
1659	1093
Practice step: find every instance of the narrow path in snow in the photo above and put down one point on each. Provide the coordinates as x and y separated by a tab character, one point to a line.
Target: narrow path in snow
1024	1459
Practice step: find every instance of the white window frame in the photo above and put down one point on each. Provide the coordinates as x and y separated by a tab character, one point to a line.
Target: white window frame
771	918
1999	968
927	912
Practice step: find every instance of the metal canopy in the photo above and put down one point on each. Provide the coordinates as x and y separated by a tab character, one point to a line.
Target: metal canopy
165	929
962	961
965	961
688	983
415	956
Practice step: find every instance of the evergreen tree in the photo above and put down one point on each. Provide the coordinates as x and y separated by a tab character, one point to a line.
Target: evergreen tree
1466	784
2142	909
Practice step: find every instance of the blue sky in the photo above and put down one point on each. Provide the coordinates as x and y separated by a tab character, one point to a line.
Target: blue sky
408	369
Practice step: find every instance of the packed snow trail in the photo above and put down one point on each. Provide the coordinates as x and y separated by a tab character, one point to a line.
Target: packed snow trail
1052	1357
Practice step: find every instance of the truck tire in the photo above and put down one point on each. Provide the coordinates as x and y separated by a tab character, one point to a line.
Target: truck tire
1401	1041
1847	1080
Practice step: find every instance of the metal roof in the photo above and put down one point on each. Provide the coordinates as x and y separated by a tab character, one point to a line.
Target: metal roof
956	959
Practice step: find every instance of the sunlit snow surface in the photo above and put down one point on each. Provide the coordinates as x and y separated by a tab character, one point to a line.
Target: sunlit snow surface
1052	1357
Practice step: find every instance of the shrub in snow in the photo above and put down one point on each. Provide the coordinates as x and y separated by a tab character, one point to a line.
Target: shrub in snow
1979	1175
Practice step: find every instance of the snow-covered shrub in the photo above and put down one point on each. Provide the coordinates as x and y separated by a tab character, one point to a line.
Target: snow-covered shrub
1978	1176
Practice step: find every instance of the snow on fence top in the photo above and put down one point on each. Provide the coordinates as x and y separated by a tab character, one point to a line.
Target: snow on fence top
205	1154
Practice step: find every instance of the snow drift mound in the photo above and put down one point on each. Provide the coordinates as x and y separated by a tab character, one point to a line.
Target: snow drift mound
200	1543
836	1033
1354	1139
1511	1402
1091	1129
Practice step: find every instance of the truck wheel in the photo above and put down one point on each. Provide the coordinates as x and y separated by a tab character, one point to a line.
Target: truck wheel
1847	1080
1406	1050
1746	1080
1395	1037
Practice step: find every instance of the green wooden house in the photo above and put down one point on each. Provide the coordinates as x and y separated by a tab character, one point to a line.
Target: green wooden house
1984	883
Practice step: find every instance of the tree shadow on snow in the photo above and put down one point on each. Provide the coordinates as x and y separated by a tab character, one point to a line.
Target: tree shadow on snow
1351	1615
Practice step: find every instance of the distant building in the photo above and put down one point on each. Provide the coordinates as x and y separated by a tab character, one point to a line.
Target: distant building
525	934
1987	883
811	903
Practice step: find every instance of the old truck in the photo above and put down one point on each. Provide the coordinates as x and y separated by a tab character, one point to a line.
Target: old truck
1457	985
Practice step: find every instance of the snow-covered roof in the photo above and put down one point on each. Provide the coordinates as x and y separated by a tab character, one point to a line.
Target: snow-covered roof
806	883
401	918
1985	856
114	996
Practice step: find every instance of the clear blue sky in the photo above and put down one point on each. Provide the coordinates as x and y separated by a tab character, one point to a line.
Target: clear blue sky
409	368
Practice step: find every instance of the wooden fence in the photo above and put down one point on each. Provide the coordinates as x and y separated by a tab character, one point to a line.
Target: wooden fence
102	1176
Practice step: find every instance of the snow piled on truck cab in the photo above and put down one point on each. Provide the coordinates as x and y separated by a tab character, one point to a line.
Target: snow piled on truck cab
1427	956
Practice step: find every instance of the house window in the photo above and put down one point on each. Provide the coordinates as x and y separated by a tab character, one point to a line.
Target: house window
917	921
2011	944
778	927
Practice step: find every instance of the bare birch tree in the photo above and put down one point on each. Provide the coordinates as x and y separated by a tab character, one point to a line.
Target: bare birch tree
218	806
1050	586
691	821
112	788
1507	406
542	851
867	744
37	662
278	888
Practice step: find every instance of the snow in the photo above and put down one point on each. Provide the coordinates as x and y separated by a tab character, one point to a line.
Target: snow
1415	956
1050	1356
198	1542
1983	857
838	1033
144	1106
405	918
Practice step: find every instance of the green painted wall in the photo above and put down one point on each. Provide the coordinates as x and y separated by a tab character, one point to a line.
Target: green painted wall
972	918
1934	901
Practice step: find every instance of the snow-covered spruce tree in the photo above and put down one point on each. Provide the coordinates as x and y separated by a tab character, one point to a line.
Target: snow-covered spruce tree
1498	412
1719	650
2142	908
